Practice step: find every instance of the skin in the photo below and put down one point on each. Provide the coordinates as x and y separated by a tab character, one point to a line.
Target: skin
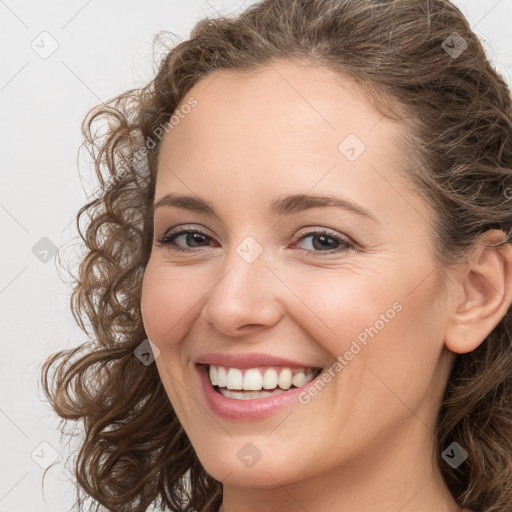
365	442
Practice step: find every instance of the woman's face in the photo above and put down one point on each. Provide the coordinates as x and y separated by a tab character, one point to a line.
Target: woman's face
349	288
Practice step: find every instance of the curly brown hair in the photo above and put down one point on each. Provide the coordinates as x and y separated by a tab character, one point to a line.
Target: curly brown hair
135	452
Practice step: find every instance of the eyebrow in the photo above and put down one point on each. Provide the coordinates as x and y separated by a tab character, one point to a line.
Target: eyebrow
287	205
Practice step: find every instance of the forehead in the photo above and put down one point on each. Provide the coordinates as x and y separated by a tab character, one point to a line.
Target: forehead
299	103
285	128
289	108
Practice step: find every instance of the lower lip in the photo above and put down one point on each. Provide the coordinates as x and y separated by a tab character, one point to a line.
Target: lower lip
247	410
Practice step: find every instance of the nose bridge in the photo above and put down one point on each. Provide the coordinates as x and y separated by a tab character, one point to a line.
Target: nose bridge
246	293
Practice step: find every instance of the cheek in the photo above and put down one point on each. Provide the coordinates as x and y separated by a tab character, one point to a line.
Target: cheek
166	301
385	323
400	358
168	298
341	306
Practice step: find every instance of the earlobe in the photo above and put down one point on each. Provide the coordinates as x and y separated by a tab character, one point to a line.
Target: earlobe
486	293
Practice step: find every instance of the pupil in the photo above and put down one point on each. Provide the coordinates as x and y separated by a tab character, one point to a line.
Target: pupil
195	237
323	239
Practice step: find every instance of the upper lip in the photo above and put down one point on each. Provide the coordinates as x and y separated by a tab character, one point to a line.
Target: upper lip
249	360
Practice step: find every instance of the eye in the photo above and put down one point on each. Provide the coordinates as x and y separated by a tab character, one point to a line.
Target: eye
322	241
187	236
325	241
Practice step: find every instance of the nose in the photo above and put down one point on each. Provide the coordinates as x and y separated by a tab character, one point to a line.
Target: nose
247	296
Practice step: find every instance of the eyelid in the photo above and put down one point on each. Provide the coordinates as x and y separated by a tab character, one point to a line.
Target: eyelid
308	230
186	227
303	231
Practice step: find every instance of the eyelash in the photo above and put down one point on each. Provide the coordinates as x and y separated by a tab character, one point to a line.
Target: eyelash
344	243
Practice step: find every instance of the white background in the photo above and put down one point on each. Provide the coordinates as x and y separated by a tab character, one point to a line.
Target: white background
104	48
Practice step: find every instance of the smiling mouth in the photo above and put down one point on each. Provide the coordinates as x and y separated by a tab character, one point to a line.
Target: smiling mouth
254	383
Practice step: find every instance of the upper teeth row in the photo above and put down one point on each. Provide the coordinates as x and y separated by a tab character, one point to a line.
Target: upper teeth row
253	379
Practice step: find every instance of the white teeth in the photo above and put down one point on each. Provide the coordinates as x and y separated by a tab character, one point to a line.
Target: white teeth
253	379
299	379
235	379
213	375
222	377
249	395
285	378
270	379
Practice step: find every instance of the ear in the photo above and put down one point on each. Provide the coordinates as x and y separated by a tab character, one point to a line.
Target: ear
485	286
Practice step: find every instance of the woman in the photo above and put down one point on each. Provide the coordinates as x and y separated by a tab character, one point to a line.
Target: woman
299	270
